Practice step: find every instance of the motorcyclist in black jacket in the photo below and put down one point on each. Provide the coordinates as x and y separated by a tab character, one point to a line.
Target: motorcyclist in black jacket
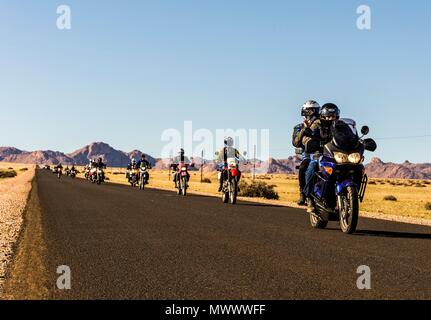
328	114
144	163
302	140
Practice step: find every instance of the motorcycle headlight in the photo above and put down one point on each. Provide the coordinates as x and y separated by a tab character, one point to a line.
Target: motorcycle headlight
184	169
341	157
355	158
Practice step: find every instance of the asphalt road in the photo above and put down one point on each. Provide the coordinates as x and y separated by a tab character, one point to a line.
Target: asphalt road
123	243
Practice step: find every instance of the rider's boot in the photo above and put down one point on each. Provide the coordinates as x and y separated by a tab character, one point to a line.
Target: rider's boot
220	188
302	199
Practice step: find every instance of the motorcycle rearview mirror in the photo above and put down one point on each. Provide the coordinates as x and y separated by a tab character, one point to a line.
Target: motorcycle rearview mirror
245	153
365	130
370	145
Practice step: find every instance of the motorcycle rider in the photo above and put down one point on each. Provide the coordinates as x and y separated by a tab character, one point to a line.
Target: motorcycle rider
58	167
179	159
329	113
302	138
73	169
132	165
228	151
100	165
144	163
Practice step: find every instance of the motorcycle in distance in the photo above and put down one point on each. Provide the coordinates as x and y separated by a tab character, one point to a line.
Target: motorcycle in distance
143	177
72	174
99	176
133	176
87	173
230	174
182	173
340	183
59	173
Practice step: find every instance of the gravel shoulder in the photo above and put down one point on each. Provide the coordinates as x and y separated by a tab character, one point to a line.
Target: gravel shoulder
14	193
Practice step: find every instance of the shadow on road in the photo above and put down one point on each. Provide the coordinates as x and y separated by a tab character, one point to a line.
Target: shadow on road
392	234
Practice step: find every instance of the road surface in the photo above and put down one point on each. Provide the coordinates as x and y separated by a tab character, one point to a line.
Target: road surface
123	243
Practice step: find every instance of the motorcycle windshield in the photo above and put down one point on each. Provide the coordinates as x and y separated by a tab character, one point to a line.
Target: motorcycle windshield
344	134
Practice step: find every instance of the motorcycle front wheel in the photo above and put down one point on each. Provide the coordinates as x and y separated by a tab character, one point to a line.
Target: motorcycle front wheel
349	213
225	197
184	186
233	193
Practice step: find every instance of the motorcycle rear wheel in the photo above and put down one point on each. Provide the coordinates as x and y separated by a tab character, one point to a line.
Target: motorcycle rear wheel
349	213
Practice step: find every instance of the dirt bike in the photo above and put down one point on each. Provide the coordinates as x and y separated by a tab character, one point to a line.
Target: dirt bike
59	173
143	177
72	174
340	183
182	178
134	177
230	174
87	174
100	176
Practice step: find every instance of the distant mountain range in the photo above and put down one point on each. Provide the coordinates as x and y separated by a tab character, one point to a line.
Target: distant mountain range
116	158
113	157
379	169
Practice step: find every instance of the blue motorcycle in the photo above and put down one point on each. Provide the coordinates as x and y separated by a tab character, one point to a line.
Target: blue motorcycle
340	183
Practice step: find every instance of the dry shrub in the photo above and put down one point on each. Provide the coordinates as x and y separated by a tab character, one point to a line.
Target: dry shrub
7	174
258	189
428	206
206	180
390	198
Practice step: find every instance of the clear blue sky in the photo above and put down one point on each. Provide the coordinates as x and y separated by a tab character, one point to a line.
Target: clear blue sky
221	64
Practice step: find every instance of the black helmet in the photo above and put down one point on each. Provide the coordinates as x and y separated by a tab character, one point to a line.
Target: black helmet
143	156
310	109
329	112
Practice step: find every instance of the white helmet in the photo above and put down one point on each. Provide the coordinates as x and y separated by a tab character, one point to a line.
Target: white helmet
228	141
310	109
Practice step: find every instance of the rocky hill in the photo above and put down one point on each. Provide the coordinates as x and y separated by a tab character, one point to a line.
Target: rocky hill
111	156
406	170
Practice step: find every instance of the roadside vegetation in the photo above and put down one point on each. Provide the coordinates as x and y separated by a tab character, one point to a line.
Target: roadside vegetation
7	173
390	198
258	189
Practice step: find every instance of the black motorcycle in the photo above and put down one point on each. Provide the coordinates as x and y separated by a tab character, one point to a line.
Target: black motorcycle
340	183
